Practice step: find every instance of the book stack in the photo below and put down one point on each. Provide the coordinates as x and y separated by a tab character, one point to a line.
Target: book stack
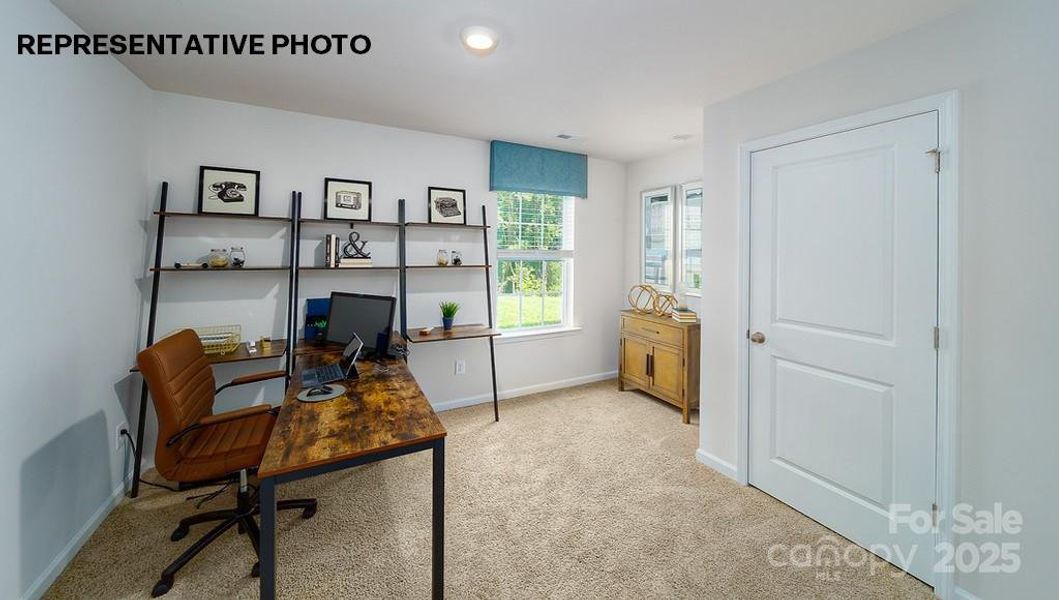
353	263
331	251
684	315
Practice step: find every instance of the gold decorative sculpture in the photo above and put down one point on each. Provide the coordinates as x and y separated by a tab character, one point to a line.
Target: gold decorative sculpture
642	298
664	304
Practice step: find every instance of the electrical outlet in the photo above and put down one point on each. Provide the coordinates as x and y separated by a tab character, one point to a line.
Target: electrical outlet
119	438
461	366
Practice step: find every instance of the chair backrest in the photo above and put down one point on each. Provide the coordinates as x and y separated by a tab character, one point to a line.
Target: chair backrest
182	386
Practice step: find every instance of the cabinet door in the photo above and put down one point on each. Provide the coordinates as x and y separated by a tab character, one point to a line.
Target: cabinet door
667	371
634	352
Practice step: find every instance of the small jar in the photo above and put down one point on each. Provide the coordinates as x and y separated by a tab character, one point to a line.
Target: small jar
457	258
218	258
443	258
238	256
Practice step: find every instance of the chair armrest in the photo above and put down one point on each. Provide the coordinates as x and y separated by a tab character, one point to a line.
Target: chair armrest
252	378
224	417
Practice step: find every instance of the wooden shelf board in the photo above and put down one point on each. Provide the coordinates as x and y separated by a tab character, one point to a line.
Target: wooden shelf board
347	222
449	267
372	268
276	350
447	225
192	270
170	213
458	332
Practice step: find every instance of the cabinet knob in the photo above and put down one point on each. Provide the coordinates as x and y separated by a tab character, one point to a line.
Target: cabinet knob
757	337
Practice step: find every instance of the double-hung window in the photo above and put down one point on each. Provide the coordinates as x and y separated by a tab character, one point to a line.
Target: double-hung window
535	248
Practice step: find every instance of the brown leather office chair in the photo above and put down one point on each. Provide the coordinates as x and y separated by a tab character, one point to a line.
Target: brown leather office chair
196	447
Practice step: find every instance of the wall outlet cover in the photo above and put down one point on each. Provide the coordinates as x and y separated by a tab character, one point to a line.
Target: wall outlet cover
461	366
119	438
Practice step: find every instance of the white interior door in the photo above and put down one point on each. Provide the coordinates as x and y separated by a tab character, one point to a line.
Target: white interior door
843	291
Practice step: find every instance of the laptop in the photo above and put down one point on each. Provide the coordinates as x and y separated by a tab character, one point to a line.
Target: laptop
345	368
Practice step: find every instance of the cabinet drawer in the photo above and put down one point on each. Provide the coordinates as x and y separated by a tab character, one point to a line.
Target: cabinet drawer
651	330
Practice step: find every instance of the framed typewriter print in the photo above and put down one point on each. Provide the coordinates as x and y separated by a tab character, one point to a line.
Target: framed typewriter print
446	205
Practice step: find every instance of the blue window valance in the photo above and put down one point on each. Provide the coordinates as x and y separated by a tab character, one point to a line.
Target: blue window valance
521	168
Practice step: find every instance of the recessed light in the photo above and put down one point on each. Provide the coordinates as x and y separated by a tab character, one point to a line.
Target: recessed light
479	40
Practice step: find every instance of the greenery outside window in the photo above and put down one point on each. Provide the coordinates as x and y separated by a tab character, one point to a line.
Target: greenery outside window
535	260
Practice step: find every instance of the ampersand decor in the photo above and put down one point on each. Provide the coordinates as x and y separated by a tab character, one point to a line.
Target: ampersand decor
354	248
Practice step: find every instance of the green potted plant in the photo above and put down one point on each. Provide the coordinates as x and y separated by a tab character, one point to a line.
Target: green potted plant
448	314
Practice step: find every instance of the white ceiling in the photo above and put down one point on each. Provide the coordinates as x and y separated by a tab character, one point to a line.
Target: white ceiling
624	75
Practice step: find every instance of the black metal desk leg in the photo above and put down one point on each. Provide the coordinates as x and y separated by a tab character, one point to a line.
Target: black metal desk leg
437	580
267	496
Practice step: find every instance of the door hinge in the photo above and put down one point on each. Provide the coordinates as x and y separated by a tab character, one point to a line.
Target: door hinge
937	159
748	334
937	337
934	514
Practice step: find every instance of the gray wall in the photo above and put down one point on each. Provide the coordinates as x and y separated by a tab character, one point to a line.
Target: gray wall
1003	57
74	163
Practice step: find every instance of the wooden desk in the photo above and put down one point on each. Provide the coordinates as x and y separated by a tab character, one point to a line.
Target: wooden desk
382	415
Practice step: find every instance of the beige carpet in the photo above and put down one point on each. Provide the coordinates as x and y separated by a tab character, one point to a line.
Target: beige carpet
579	493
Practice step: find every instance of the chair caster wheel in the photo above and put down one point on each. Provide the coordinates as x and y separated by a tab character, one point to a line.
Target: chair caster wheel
309	511
256	571
178	534
163	586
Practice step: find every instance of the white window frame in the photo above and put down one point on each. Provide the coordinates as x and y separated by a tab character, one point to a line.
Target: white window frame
644	195
680	281
565	257
677	196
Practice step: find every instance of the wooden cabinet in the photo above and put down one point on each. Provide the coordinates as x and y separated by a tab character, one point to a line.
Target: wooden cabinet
661	357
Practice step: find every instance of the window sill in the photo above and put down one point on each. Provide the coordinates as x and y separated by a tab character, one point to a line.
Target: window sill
532	335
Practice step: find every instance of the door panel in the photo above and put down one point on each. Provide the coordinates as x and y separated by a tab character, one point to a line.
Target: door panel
667	372
843	285
634	352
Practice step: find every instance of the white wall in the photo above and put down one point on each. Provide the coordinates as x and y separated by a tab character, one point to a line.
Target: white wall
1002	57
296	151
670	169
74	159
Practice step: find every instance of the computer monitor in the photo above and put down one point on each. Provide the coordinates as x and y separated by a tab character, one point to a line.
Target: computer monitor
370	317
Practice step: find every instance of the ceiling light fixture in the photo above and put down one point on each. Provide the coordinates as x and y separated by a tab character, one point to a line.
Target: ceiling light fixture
479	40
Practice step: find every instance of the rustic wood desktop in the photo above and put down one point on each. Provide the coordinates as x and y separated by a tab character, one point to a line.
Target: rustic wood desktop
383	414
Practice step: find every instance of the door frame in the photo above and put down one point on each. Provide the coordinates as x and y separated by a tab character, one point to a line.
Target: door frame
948	394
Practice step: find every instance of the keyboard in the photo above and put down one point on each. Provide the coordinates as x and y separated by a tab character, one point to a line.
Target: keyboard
322	375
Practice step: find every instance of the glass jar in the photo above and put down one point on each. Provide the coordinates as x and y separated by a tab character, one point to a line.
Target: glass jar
218	258
238	256
457	258
443	258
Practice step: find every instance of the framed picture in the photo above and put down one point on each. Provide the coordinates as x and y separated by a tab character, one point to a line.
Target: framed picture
347	199
225	191
446	205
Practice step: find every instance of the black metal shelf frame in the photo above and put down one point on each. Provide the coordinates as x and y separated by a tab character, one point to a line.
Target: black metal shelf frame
152	314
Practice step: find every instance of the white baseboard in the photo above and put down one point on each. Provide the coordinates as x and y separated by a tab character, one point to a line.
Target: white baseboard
962	594
48	577
524	391
717	464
